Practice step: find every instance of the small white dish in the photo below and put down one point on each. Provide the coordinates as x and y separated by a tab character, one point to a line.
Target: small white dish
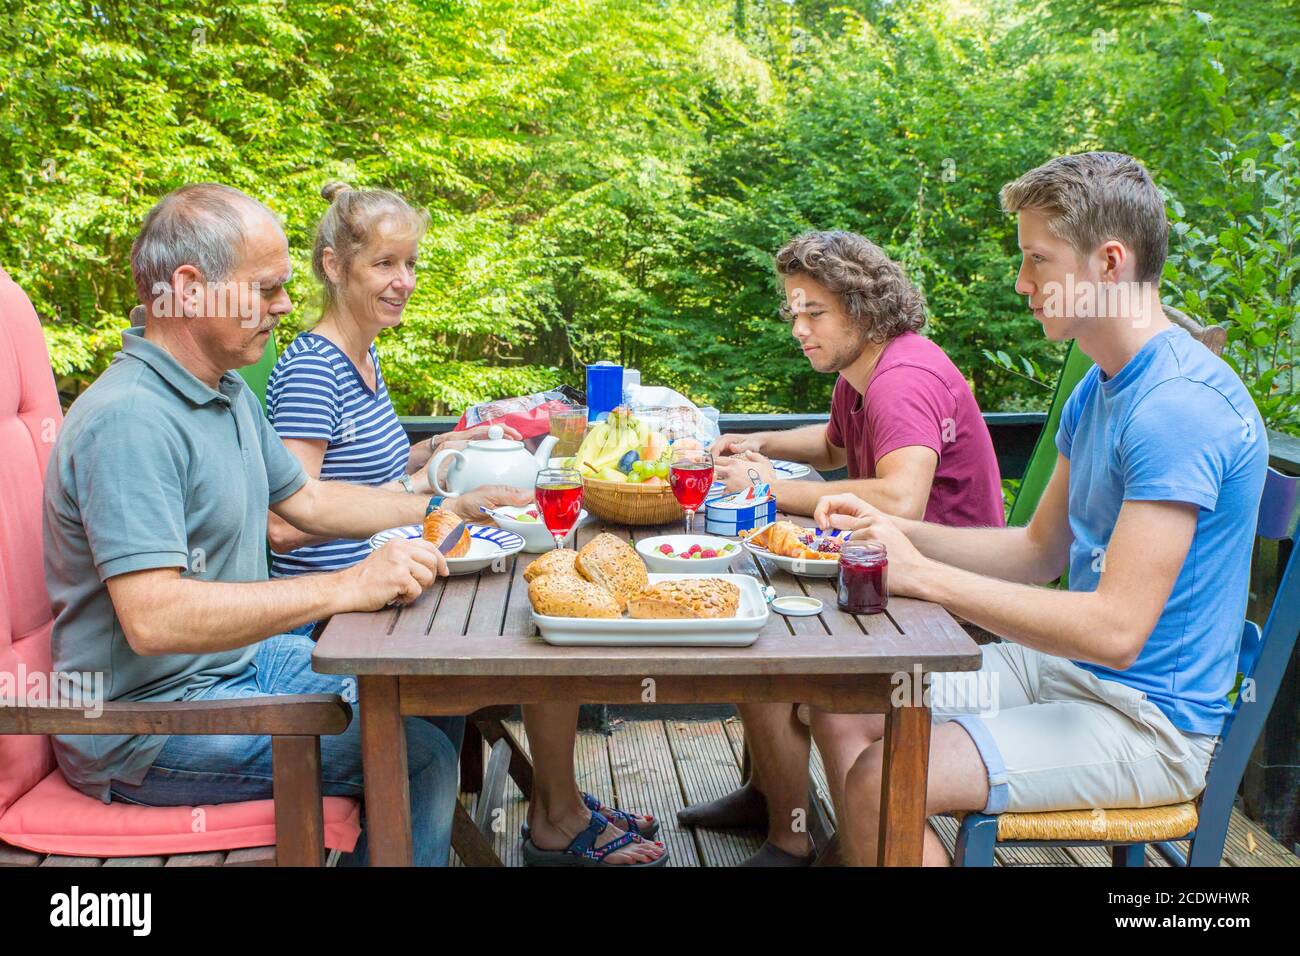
797	605
536	538
789	469
487	546
656	560
803	567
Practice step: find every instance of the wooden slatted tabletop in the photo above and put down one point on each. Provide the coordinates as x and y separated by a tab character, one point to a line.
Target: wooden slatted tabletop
470	642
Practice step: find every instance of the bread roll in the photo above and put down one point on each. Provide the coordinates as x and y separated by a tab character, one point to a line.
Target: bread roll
559	560
692	598
613	564
567	595
438	524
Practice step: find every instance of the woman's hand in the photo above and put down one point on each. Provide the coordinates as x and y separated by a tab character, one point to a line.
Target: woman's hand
489	496
424	450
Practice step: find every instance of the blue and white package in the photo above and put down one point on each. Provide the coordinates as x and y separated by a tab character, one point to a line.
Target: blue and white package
728	515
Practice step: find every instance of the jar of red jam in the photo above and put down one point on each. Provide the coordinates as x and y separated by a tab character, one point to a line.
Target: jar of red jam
864	578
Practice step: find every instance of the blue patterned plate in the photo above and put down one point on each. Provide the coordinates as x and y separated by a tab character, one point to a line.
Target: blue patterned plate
487	546
804	567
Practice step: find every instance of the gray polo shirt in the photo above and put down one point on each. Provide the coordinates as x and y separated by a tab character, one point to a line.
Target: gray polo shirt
153	469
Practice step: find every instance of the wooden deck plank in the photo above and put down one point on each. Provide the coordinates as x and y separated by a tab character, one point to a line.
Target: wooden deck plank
707	769
135	861
196	859
53	860
15	857
645	779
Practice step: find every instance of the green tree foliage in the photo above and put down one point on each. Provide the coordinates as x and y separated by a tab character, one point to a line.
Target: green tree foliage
610	178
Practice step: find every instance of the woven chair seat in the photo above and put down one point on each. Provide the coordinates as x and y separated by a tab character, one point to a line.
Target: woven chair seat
1144	825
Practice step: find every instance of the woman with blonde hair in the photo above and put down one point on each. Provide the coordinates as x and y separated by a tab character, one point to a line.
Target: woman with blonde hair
327	401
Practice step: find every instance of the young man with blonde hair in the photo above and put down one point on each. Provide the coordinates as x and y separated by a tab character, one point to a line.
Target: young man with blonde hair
1111	693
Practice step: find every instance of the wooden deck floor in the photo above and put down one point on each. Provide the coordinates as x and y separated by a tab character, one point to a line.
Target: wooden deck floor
664	765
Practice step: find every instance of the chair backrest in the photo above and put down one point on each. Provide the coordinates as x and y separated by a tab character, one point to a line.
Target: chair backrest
29	422
1262	660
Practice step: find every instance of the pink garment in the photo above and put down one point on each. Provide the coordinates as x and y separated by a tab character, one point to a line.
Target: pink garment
916	396
38	809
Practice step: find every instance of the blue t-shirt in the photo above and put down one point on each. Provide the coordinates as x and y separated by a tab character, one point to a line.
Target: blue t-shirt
315	392
1175	424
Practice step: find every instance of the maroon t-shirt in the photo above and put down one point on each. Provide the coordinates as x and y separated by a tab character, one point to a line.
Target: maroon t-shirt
916	396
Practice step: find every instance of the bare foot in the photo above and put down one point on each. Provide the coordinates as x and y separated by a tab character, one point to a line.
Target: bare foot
743	808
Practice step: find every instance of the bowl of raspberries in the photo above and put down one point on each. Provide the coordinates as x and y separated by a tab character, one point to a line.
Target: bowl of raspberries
687	553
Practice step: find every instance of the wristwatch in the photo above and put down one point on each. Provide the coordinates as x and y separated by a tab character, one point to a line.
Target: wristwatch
407	484
434	504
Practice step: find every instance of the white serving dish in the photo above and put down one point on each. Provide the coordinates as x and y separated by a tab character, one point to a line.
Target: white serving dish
657	561
803	567
739	631
486	546
536	538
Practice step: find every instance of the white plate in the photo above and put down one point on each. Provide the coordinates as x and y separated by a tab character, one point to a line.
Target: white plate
487	546
789	469
657	561
739	631
536	538
804	567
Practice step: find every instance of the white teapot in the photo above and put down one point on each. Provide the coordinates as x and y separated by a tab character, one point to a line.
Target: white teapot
495	460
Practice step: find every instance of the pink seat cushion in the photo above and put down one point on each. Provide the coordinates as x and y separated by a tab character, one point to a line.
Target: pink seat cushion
53	817
38	809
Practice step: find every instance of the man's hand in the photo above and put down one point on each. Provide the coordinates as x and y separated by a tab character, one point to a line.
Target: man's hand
735	444
847	512
489	496
396	573
734	472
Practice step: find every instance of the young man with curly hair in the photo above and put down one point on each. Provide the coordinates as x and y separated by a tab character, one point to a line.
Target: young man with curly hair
905	423
903	420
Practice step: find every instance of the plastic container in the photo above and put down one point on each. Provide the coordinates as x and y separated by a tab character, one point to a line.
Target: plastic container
604	389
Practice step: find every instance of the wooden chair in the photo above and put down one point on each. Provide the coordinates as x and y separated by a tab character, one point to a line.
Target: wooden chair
39	811
1262	662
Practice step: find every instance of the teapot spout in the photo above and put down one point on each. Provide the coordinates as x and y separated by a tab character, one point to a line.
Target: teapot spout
543	455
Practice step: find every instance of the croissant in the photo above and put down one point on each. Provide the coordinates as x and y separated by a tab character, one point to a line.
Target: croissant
438	524
786	539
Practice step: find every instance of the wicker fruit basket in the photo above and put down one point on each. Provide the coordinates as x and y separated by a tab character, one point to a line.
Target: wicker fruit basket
621	503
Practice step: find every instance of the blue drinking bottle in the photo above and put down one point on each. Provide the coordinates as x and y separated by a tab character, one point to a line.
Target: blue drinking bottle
604	389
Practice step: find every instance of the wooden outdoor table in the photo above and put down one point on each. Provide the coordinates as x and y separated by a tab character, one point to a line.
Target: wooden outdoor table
470	642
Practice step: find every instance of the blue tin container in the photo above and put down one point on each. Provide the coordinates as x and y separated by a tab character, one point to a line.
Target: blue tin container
729	518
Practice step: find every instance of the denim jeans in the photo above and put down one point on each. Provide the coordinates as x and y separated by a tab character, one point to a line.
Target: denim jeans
200	768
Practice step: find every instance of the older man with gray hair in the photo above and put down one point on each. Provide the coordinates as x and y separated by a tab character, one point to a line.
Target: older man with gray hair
155	532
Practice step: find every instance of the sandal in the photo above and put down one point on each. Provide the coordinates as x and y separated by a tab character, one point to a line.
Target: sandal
582	851
625	821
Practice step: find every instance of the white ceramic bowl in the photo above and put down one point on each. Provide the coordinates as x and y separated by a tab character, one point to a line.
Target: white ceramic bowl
536	538
660	563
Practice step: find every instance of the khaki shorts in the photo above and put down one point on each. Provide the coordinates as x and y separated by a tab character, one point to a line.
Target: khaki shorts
1054	736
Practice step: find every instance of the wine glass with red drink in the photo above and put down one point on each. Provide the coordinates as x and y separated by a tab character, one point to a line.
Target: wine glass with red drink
559	498
691	477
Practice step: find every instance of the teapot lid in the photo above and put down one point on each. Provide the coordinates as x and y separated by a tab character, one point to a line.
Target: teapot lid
496	441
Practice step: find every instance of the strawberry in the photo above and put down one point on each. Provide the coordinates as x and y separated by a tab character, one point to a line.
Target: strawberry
666	549
708	553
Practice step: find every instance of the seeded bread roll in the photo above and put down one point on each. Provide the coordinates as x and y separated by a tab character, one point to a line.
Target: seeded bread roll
692	598
567	595
613	564
559	560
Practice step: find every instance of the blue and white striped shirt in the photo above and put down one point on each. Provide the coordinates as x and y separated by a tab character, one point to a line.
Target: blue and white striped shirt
315	392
